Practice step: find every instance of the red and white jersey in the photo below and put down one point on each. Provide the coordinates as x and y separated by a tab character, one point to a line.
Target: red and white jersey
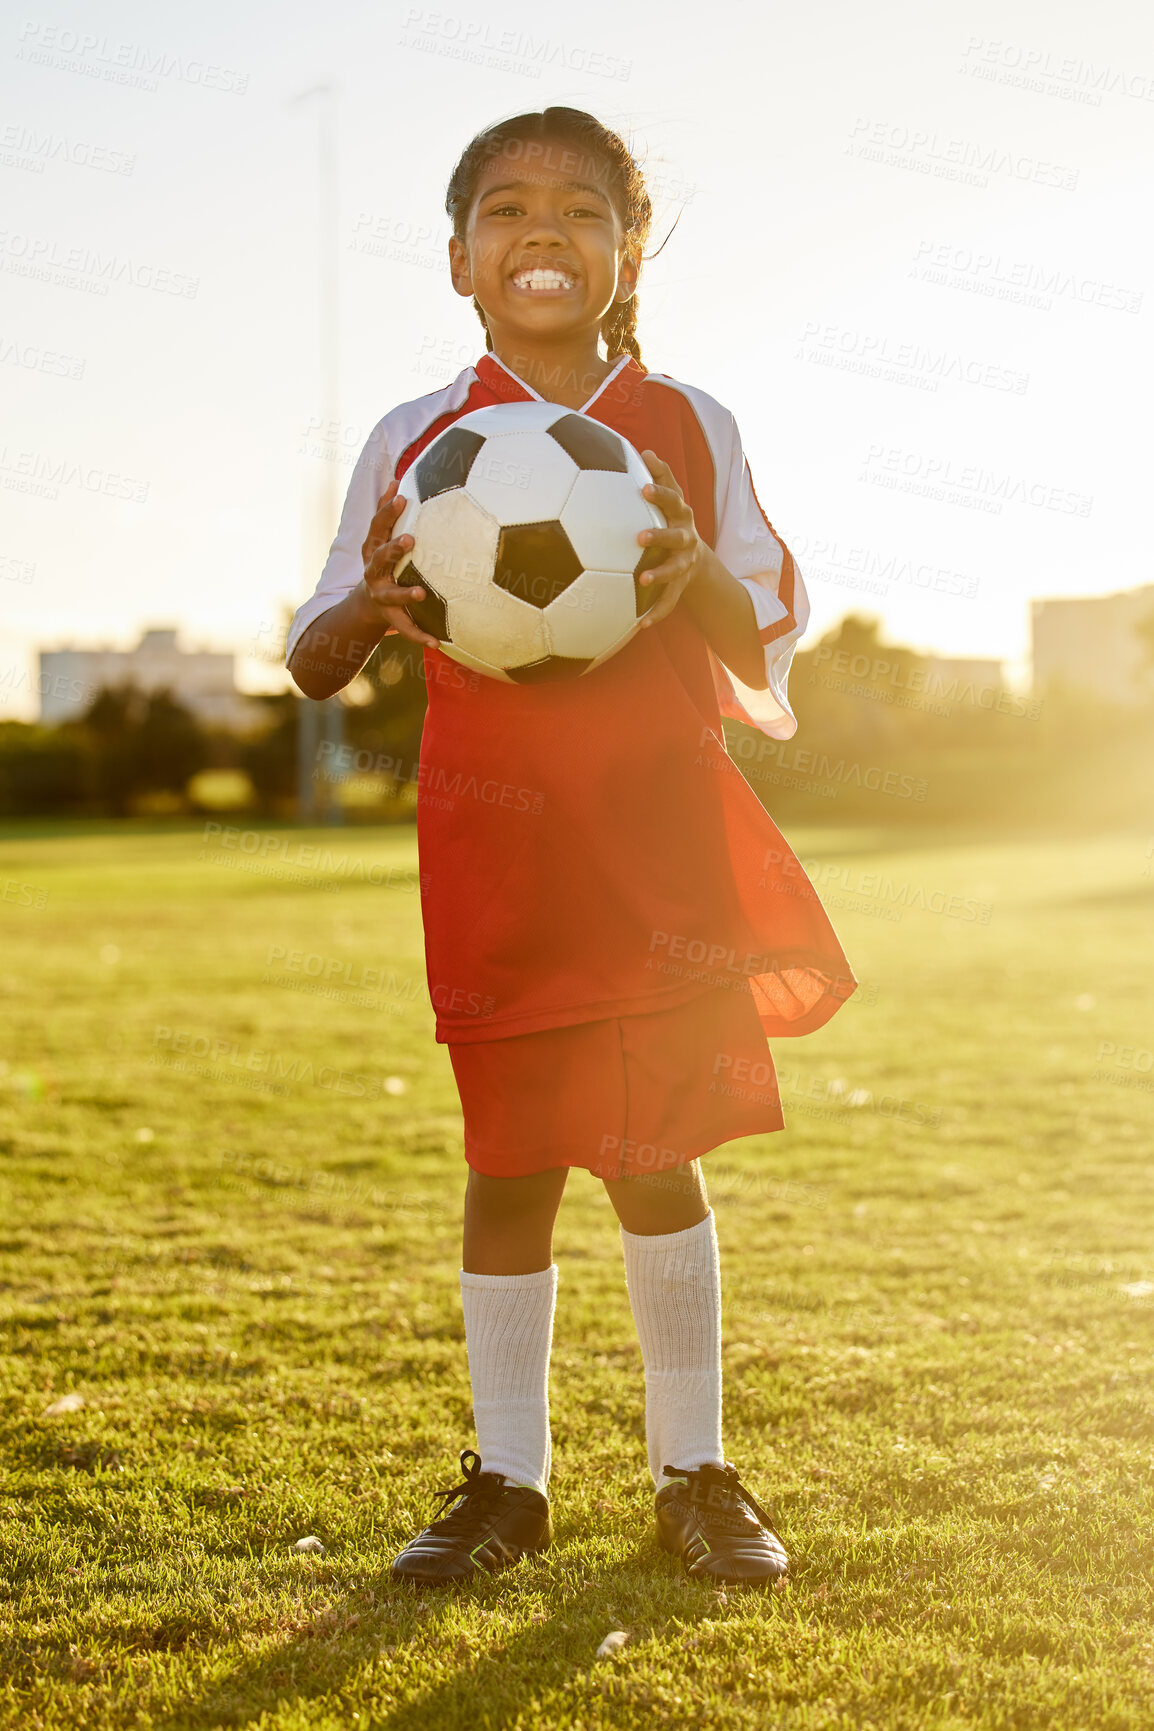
653	412
588	848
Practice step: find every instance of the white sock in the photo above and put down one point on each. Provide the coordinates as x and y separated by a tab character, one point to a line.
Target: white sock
674	1284
508	1333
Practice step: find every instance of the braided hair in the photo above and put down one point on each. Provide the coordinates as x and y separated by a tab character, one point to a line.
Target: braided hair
604	155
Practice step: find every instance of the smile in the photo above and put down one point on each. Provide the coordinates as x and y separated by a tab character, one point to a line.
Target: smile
543	279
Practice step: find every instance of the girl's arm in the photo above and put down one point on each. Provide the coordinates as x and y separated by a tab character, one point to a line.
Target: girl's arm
334	648
723	611
721	606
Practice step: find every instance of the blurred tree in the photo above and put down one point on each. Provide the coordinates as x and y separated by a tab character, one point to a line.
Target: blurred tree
389	724
269	754
135	743
1144	631
41	770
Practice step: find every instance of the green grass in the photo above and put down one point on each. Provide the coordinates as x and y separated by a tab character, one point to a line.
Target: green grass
224	1231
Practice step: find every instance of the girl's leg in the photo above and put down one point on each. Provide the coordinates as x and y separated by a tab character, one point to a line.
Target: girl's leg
674	1280
509	1221
508	1290
660	1202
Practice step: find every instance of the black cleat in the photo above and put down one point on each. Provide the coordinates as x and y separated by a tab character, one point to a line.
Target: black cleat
709	1520
490	1524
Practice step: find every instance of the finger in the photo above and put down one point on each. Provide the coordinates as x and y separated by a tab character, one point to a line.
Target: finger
382	559
388	594
674	537
658	468
389	506
670	572
390	492
669	501
383	526
405	626
664	606
386	515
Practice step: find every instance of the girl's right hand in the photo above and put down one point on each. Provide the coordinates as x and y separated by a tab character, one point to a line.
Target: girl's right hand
381	553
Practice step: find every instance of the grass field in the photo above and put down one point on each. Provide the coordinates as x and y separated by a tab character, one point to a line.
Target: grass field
230	1225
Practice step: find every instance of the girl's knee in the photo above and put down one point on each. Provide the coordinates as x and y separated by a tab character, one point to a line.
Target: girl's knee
532	1194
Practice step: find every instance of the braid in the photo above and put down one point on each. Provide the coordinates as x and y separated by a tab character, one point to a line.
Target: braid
619	329
610	157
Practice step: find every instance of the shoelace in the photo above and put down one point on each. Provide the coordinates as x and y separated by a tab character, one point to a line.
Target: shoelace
475	1496
731	1514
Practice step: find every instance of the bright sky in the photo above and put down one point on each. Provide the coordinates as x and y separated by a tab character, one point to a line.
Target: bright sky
914	259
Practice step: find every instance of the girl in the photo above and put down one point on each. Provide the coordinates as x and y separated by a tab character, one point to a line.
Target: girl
607	957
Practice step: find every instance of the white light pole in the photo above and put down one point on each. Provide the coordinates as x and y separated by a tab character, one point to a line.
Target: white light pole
317	720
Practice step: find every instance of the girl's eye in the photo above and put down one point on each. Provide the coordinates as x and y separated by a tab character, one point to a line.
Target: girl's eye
519	210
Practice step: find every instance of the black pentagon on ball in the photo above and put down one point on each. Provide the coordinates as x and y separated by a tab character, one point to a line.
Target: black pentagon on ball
646	594
552	667
447	462
536	562
590	445
429	613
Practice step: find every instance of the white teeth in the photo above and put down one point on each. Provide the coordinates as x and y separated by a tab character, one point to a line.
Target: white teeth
542	278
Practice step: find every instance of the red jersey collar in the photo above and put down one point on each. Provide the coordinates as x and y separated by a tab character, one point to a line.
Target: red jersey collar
505	383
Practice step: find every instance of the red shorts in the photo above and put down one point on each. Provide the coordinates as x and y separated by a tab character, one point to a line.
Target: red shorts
623	1097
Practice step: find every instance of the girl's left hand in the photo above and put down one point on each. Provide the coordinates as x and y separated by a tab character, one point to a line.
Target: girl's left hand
684	544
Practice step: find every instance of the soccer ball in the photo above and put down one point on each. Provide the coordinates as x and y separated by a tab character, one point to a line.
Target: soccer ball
525	518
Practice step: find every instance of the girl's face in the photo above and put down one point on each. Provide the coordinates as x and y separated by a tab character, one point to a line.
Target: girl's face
543	250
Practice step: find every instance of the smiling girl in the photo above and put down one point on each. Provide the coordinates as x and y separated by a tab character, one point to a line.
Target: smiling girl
607	955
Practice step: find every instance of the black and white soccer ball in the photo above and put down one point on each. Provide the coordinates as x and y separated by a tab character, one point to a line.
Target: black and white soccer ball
525	518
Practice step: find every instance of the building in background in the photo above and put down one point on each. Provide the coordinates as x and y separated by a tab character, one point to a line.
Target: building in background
946	675
203	680
1100	644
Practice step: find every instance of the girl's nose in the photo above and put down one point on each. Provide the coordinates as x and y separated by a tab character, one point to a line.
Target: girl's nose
546	231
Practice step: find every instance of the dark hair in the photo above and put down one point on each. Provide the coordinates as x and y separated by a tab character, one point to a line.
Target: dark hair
603	155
